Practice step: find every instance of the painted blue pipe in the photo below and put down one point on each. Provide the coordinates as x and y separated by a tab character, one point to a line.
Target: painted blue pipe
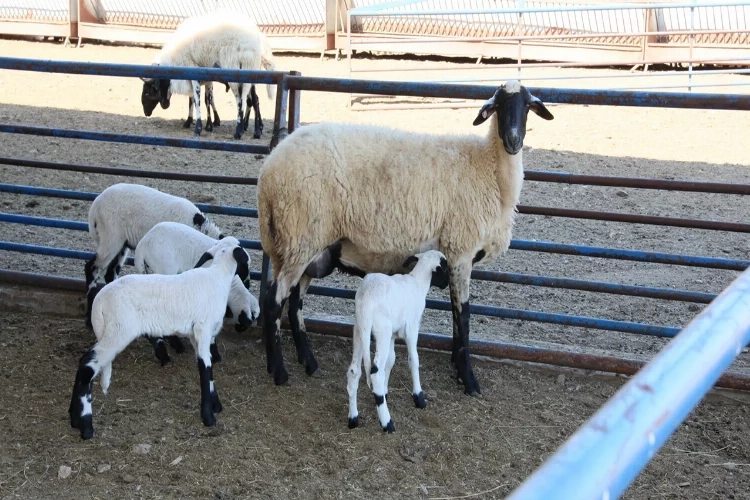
442	305
86	196
607	453
236	147
534	246
146	71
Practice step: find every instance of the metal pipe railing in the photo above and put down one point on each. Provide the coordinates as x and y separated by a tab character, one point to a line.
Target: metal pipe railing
615	444
529	175
499	350
524	245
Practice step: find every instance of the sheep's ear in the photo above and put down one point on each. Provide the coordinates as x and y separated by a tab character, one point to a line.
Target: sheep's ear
411	260
488	109
204	258
537	106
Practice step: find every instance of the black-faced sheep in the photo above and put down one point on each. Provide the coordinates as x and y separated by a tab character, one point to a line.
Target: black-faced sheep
121	215
362	199
386	308
217	40
191	304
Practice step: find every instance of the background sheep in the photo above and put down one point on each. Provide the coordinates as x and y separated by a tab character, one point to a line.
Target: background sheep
387	307
220	39
191	304
362	199
121	215
173	248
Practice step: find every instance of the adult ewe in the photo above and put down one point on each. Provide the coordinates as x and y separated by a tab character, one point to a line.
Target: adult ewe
220	39
362	199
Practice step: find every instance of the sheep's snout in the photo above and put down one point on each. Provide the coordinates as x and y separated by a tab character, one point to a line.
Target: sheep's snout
512	142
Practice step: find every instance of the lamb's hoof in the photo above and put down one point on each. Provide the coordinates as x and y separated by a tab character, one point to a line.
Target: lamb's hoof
353	422
319	373
280	376
237	135
198	128
209	127
389	428
216	404
209	420
217	122
256	135
187	123
419	401
86	426
166	362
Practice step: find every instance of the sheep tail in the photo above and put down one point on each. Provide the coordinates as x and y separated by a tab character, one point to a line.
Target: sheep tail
267	63
363	328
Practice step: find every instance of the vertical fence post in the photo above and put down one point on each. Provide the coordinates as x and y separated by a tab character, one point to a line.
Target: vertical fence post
294	103
692	42
521	5
279	132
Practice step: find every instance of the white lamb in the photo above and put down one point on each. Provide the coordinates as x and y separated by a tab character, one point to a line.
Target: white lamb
173	248
221	39
361	199
387	307
121	215
191	304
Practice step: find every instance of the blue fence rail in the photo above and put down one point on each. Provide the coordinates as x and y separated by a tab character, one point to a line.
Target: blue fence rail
617	443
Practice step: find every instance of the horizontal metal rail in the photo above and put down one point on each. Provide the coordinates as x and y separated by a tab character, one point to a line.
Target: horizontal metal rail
382	10
622	437
441	305
499	350
420	89
529	175
129	172
142	70
514	278
523	209
525	245
90	135
85	196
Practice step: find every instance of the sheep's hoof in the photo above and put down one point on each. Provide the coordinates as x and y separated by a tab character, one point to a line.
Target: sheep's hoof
256	135
217	122
198	127
389	428
166	362
187	123
419	401
353	422
209	127
319	373
280	376
312	368
237	135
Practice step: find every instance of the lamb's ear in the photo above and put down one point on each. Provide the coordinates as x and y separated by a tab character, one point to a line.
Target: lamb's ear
204	258
537	106
488	109
412	259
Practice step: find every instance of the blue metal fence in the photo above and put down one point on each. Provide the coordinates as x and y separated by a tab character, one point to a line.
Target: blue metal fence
678	361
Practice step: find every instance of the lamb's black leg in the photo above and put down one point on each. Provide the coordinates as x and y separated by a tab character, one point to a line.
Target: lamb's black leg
197	99
460	356
80	410
160	350
256	108
209	98
207	401
299	333
271	323
215	356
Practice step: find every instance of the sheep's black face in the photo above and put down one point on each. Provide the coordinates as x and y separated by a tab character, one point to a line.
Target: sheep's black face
512	103
155	92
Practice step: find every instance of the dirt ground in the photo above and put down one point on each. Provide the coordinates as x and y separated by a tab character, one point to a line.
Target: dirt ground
524	414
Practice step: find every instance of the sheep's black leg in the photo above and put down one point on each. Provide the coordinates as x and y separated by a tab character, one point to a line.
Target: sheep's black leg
256	108
460	357
160	350
248	107
176	344
271	324
189	120
209	98
80	411
197	99
238	97
297	323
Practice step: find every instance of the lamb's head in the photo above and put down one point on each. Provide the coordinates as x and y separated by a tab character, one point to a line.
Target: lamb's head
229	248
155	91
433	262
512	102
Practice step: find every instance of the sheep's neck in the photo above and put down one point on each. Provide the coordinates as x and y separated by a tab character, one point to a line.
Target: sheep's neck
509	170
